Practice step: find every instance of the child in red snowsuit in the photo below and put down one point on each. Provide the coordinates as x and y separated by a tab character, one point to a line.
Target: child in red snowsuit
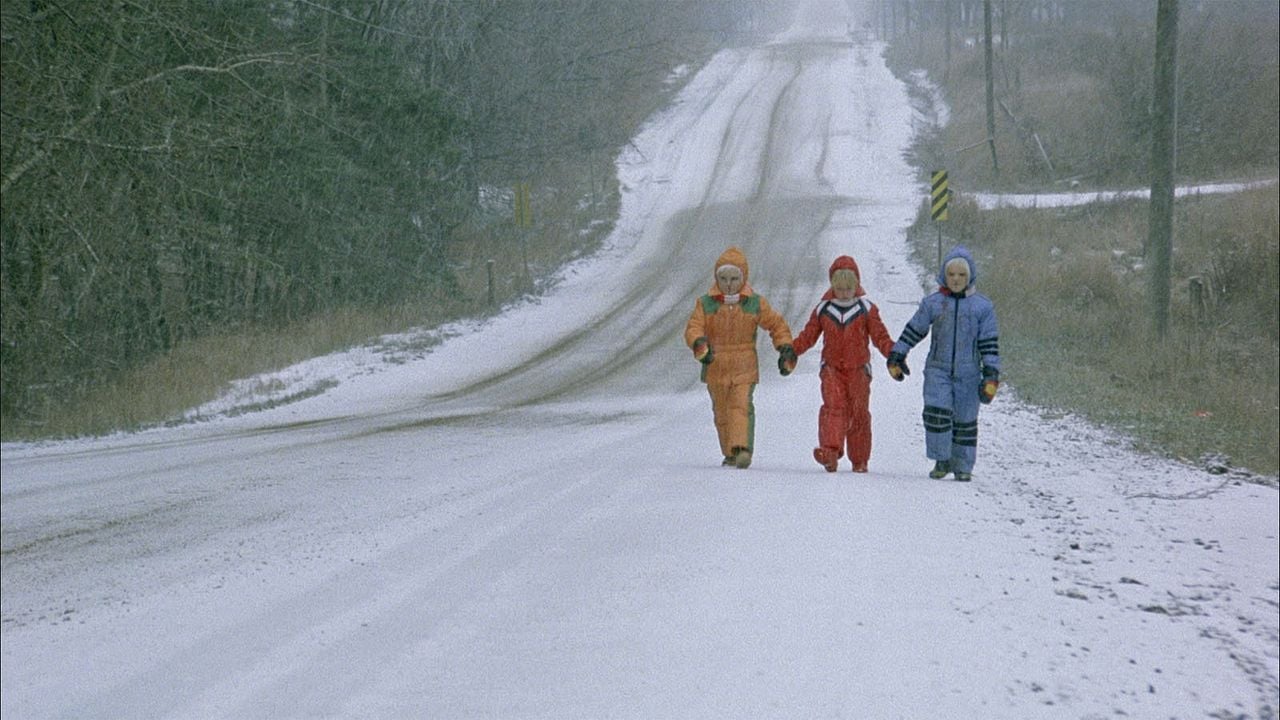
847	322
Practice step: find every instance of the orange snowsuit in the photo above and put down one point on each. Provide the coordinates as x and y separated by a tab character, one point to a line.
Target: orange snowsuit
731	376
845	416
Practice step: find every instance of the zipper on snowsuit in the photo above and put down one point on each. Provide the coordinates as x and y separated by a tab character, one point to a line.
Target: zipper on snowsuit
955	334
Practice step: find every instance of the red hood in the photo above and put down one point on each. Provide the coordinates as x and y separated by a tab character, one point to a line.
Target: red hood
844	262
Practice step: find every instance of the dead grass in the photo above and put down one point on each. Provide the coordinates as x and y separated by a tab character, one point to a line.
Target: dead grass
201	370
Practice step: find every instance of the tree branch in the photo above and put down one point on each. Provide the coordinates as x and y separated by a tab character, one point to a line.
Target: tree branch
74	132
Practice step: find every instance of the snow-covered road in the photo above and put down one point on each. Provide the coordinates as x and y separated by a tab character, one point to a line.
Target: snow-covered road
531	520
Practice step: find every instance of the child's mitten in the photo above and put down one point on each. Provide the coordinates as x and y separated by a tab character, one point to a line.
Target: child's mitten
990	383
702	351
786	360
897	364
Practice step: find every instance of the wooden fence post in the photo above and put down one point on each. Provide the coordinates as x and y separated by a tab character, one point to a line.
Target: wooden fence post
489	267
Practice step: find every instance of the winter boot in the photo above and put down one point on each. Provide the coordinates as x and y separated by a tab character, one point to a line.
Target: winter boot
827	458
859	467
963	476
940	470
742	458
729	461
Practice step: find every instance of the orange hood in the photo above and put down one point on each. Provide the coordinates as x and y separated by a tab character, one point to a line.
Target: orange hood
735	257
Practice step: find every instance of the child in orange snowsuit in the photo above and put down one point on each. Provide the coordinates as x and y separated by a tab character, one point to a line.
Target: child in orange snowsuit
846	320
721	332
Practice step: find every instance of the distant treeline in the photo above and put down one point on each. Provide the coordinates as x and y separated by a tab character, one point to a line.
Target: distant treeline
1073	83
171	170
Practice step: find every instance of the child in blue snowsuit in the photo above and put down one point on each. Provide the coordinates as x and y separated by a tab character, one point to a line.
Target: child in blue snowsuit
963	369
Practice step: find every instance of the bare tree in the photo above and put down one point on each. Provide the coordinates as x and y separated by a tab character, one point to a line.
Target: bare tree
946	73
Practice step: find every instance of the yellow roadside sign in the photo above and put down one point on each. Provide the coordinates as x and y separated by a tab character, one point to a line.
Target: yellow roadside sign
940	195
523	208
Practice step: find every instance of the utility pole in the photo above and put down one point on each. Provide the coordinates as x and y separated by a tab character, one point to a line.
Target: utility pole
946	73
1164	119
991	90
1004	28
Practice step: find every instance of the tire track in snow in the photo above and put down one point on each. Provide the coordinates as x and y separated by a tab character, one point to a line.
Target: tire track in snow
275	650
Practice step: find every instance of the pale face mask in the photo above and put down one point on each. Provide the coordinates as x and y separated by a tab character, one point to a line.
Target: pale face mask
729	280
957	275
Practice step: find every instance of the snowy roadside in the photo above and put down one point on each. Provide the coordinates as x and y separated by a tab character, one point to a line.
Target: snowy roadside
994	201
319	375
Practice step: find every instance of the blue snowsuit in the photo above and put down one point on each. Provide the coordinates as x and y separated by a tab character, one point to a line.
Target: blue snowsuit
965	342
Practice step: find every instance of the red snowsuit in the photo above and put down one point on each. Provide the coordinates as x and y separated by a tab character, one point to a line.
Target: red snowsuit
845	416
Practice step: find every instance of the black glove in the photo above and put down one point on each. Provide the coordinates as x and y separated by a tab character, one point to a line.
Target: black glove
897	364
702	351
786	360
990	383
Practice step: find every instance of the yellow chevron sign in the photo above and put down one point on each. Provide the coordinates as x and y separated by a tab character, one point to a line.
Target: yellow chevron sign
523	207
940	195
